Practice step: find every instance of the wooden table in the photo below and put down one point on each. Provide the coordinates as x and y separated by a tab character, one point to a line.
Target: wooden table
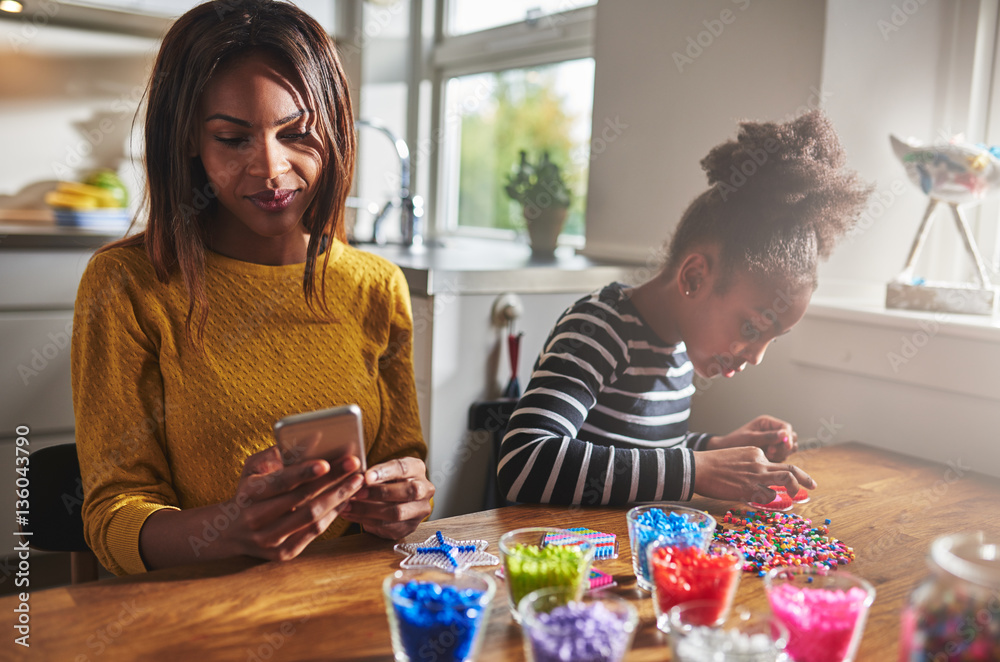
327	604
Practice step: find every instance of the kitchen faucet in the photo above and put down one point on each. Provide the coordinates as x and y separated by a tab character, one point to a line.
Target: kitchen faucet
410	206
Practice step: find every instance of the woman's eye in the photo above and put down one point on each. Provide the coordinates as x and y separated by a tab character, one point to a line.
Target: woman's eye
231	142
298	136
748	330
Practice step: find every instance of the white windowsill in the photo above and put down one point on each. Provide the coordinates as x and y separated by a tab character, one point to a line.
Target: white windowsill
864	303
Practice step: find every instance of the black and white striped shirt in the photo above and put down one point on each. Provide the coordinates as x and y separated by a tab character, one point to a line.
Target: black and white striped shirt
604	418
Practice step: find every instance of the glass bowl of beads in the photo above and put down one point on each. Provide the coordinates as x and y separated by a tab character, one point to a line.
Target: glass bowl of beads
559	625
744	636
683	527
824	611
435	612
686	574
529	564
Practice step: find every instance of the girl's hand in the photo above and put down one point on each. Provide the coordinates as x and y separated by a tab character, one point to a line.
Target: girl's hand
744	474
774	436
279	510
395	499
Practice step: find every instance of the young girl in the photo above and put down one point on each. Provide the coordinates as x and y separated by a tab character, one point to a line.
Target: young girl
238	305
604	418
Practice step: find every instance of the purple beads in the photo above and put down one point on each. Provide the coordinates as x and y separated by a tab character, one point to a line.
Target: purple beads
437	621
579	632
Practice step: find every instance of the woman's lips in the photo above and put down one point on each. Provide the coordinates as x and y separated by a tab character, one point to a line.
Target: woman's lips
273	200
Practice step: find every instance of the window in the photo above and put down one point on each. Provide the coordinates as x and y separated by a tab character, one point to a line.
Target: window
465	16
511	77
544	109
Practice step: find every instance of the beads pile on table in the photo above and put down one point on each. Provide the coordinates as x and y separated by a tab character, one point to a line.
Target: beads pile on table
820	621
708	644
530	567
579	632
443	617
772	539
676	528
689	573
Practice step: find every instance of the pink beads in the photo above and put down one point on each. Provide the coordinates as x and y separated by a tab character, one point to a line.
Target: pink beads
821	622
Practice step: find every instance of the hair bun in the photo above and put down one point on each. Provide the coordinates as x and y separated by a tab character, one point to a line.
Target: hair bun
793	171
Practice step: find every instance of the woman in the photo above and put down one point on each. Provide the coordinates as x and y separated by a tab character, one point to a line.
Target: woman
238	305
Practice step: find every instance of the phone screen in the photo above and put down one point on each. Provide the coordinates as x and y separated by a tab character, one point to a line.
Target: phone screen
327	434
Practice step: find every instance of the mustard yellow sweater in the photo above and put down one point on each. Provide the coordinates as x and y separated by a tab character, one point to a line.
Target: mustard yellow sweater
161	425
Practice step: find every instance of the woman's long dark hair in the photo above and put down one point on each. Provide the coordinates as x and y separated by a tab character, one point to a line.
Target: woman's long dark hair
179	199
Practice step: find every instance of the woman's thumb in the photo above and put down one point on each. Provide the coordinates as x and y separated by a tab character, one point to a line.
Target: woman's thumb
263	462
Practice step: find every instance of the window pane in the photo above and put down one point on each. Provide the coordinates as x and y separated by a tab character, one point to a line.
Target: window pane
474	15
492	117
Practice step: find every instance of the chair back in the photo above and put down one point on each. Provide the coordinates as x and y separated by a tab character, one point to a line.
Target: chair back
56	500
491	417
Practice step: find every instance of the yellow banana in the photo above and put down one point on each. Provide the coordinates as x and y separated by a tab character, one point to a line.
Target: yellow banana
71	200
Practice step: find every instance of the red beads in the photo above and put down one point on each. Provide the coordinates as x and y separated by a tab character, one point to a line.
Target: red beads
686	574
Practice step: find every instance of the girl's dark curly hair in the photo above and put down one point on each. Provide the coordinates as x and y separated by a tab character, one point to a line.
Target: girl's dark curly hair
779	200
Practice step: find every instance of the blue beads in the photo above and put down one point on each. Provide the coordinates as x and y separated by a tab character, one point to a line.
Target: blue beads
676	528
445	549
436	621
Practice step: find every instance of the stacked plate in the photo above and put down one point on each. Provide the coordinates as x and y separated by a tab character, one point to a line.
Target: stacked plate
100	220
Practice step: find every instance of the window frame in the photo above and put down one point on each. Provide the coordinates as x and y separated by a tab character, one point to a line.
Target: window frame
550	39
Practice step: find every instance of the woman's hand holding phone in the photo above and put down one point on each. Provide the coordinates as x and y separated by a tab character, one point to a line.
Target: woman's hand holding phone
281	509
395	499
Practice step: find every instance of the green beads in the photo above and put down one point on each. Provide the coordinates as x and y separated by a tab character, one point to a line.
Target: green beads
530	567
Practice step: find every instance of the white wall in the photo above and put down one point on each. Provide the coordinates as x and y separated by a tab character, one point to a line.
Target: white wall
764	64
67	103
887	71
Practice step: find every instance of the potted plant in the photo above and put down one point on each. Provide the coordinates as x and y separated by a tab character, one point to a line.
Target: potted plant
544	198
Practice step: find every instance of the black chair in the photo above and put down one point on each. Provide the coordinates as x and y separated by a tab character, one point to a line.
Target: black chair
490	418
55	502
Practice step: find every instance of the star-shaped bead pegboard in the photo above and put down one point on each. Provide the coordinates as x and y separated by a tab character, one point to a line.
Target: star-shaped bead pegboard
440	551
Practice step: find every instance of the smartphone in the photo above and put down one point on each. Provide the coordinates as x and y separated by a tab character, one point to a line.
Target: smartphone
327	434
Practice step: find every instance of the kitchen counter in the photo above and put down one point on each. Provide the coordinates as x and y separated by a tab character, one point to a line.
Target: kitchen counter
45	236
457	265
483	266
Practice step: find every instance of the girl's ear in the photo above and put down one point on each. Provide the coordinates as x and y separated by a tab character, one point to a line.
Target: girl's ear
693	274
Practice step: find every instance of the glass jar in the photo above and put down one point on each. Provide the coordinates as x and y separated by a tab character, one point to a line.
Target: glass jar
954	615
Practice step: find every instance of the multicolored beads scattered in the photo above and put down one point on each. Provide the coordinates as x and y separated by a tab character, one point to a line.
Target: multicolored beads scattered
585	632
690	573
772	539
605	544
443	619
530	567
